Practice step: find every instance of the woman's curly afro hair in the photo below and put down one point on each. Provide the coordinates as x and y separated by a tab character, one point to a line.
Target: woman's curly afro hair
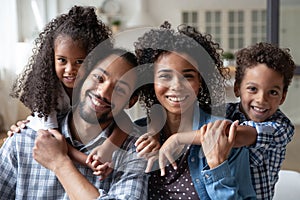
199	47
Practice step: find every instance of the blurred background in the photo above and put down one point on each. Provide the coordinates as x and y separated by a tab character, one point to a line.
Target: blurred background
232	23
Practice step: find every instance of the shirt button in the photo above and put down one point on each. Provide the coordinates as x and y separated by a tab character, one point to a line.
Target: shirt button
197	180
206	176
192	159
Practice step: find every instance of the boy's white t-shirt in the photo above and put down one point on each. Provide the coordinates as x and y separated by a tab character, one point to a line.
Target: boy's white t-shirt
63	106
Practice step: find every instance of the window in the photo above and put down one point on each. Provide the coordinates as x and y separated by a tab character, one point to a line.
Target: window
190	18
258	20
236	30
213	24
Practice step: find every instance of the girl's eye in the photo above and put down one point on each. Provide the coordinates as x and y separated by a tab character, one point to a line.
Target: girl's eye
61	60
79	62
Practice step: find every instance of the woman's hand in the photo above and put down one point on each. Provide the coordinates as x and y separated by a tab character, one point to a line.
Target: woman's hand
170	149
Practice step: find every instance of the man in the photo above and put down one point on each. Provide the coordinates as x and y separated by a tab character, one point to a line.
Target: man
106	84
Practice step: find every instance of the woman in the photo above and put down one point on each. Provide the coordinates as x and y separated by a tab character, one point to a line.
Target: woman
188	78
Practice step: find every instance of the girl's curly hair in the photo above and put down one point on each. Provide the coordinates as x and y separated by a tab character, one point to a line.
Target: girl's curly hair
198	46
265	53
37	86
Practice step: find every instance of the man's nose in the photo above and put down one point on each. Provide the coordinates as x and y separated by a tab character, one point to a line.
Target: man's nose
105	90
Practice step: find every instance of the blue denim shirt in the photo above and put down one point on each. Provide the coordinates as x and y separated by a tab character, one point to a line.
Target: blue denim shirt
230	180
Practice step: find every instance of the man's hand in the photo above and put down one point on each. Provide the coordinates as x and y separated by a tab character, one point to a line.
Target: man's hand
50	149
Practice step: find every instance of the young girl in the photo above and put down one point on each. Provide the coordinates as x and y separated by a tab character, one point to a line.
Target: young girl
46	84
263	74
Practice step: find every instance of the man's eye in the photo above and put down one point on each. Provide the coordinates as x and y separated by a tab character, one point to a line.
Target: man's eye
120	90
98	78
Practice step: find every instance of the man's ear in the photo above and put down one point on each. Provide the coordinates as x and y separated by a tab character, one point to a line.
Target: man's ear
283	97
236	89
132	101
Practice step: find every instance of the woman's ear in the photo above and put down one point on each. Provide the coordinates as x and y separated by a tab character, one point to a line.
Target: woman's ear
236	90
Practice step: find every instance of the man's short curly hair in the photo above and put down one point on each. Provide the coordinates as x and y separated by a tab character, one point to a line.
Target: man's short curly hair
186	40
274	57
37	86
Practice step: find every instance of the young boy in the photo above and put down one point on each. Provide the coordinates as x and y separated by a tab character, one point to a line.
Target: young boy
263	75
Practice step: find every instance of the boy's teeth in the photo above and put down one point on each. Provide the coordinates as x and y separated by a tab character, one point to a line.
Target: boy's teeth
259	109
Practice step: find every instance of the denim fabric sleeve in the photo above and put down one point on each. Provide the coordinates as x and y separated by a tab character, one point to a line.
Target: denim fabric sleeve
231	179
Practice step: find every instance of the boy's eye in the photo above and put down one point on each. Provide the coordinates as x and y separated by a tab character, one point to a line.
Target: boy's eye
251	89
274	92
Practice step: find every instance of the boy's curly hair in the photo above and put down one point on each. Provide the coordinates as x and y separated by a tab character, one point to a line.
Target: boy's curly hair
37	86
186	40
265	53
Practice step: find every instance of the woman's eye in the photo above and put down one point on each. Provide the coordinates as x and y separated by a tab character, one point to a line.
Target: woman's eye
189	76
165	76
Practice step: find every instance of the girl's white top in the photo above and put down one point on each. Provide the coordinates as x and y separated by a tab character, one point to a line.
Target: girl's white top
37	123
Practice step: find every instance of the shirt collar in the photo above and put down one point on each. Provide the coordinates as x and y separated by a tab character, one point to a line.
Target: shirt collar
65	130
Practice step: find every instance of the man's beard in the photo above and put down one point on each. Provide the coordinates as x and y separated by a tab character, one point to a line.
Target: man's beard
92	117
